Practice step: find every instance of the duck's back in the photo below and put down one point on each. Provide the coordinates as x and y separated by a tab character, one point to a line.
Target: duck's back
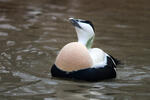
73	56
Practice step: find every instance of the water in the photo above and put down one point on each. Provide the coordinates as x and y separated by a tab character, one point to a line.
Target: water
32	33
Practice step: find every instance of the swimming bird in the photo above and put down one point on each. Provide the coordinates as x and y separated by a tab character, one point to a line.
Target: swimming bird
79	61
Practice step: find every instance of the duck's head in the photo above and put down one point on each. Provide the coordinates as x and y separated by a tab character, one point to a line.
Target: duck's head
85	31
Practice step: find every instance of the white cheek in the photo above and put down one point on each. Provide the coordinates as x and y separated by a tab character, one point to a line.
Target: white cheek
86	27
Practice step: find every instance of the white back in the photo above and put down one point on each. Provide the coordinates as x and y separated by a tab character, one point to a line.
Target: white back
99	57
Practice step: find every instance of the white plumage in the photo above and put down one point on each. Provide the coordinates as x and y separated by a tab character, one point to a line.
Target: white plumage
98	57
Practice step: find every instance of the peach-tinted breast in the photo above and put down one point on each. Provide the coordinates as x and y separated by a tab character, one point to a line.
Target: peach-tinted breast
73	56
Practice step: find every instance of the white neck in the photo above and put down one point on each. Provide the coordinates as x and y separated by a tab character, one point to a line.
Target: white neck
85	38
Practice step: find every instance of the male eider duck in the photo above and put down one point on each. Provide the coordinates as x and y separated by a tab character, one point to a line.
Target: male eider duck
77	60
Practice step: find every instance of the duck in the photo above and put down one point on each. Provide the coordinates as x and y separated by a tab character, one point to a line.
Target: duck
79	61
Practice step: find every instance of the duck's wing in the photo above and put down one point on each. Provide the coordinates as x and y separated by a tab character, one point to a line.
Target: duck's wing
99	57
102	59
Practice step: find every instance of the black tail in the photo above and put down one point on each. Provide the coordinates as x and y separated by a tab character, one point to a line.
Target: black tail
117	62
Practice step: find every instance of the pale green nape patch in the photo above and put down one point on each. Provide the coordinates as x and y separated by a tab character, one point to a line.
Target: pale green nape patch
90	42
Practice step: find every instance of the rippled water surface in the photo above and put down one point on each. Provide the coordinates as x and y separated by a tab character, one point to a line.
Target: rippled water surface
33	31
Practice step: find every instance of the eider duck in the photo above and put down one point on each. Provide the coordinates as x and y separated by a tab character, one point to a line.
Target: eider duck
77	60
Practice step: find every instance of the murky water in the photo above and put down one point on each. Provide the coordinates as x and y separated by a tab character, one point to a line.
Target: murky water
33	31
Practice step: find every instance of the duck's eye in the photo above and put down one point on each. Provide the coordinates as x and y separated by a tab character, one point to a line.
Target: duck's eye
88	22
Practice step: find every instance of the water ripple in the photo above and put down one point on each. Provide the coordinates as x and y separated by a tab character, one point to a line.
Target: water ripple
9	27
32	33
3	34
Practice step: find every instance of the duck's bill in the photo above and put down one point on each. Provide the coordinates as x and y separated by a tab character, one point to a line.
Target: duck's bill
74	22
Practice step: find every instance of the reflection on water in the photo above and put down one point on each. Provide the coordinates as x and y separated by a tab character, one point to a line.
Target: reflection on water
32	33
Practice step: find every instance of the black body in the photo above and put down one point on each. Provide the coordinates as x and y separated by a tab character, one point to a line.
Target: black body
88	74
